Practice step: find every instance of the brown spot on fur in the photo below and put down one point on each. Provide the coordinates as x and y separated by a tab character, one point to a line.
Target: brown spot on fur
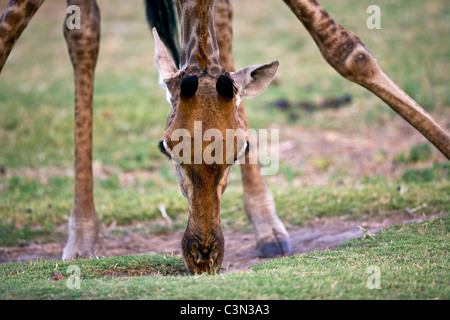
12	18
214	70
325	14
30	9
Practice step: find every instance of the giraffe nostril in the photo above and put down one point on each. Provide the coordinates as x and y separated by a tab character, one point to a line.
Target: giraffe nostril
203	253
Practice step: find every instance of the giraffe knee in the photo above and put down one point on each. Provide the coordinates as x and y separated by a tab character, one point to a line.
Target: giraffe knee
359	65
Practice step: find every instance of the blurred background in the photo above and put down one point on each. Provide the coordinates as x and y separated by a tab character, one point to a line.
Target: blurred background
343	151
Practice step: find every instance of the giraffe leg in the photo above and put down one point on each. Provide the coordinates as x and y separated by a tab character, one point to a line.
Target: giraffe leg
346	53
271	235
13	21
83	47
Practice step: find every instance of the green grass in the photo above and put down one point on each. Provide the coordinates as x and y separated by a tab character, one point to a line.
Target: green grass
412	259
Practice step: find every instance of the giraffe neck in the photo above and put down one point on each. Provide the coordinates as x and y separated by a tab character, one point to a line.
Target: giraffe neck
199	47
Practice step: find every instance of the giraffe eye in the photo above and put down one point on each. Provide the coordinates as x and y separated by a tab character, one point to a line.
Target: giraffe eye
246	151
189	86
225	86
163	149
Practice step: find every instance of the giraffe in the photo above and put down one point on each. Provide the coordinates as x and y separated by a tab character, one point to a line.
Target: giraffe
203	242
202	90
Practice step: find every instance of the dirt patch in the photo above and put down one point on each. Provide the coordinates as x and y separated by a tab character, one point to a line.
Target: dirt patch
319	234
240	252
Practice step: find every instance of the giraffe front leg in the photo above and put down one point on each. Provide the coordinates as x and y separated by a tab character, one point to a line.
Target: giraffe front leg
272	239
83	47
13	21
348	55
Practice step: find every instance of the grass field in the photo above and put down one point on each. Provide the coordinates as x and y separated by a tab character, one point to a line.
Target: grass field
411	261
359	161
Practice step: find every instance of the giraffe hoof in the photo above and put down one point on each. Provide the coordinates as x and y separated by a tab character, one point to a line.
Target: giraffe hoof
76	253
75	250
82	239
274	247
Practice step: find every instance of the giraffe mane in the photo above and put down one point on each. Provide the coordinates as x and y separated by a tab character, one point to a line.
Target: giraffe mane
204	17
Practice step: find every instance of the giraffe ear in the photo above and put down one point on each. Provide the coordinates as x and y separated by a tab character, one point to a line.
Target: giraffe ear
252	80
163	59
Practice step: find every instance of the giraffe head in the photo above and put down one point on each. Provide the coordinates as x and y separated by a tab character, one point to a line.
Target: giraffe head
204	133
